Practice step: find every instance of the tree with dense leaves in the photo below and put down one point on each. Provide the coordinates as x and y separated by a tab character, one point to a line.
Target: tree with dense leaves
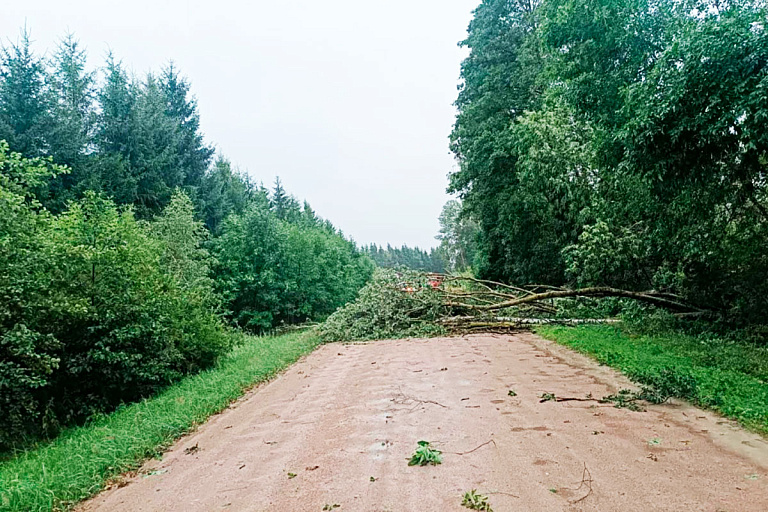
96	308
619	143
499	83
458	237
195	155
223	191
24	99
412	258
28	355
272	271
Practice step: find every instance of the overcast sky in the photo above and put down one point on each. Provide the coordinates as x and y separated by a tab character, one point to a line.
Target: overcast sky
348	101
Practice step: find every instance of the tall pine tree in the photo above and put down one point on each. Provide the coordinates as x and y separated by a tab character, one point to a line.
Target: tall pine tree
73	116
155	161
24	98
194	155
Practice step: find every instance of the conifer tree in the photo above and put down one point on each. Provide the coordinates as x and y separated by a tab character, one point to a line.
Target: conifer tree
73	116
223	191
74	90
194	155
155	159
284	205
113	138
24	98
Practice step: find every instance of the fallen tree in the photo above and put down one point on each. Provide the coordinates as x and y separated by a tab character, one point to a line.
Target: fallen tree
396	304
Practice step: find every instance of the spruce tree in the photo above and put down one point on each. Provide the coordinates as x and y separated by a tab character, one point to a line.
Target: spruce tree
24	98
74	90
195	156
114	138
223	191
284	205
73	116
156	162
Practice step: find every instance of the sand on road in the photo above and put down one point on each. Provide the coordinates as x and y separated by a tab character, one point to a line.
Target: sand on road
338	427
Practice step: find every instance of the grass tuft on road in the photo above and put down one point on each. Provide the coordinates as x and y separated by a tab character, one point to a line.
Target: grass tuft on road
78	463
726	376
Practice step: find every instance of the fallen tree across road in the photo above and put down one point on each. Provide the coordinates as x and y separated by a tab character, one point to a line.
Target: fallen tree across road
397	304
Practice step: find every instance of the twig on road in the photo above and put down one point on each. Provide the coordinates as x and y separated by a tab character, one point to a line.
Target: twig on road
475	448
586	478
403	399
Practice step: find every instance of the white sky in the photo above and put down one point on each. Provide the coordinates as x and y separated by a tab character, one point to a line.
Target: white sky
348	101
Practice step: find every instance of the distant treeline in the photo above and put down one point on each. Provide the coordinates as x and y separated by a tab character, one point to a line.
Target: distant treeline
621	143
127	254
457	251
411	258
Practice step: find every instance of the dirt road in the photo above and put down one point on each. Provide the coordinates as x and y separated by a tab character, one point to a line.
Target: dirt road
337	428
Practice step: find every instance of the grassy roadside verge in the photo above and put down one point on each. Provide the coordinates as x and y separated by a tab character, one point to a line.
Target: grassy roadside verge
77	464
728	377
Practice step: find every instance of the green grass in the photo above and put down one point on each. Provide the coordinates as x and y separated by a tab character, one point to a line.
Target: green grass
78	463
726	376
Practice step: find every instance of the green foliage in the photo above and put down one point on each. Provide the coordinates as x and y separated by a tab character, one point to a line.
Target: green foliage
28	355
727	376
619	143
189	263
79	462
130	324
384	308
272	271
284	205
603	255
96	308
182	235
476	501
223	191
109	290
181	107
624	399
628	399
425	455
458	237
406	258
24	99
499	80
135	140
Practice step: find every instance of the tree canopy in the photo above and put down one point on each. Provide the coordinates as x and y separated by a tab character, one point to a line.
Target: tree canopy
128	254
411	258
619	143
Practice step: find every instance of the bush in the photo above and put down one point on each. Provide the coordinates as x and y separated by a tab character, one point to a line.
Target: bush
272	271
130	324
92	311
27	356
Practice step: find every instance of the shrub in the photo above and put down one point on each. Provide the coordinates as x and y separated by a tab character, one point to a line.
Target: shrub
28	356
272	271
128	323
92	310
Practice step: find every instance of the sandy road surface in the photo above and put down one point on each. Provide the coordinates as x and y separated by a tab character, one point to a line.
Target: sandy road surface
347	413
